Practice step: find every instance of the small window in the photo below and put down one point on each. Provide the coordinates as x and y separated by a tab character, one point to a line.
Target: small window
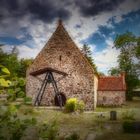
60	57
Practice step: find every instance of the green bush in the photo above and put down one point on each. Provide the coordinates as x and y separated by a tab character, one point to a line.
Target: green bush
14	128
73	105
27	100
49	131
73	136
16	89
11	126
26	110
4	73
128	115
128	127
129	95
80	106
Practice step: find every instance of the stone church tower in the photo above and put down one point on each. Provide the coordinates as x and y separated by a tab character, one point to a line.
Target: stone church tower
61	53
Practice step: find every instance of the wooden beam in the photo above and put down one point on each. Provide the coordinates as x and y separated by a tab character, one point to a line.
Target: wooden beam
44	70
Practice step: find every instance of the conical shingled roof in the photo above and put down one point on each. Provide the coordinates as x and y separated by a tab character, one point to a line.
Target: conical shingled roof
59	43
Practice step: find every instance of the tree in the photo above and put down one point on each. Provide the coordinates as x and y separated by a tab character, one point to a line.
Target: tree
137	53
88	54
101	74
16	66
15	51
16	76
3	55
24	64
114	71
128	60
4	73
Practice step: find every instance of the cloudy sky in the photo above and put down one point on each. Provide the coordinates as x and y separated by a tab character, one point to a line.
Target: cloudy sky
28	24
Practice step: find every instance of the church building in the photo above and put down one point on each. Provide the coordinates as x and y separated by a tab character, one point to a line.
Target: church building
61	70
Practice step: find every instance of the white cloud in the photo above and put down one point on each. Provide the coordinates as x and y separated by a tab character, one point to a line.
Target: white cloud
41	32
126	7
90	25
7	48
106	58
26	52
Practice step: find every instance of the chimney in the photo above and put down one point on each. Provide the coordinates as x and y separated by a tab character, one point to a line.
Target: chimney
123	80
122	74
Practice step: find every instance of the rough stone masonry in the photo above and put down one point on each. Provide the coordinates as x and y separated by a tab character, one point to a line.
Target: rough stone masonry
61	53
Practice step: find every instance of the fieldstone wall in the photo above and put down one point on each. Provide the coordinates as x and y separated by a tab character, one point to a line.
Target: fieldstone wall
61	53
110	98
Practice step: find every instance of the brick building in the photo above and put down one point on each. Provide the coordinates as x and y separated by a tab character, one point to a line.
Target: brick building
111	90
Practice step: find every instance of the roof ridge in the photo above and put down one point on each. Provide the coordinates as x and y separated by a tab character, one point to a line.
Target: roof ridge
109	76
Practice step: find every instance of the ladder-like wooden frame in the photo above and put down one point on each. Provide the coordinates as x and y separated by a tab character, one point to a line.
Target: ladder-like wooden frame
49	78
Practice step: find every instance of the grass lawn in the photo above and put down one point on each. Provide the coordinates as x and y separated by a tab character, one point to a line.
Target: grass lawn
87	122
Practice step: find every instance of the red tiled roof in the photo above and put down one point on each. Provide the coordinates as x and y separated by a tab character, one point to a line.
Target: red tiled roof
112	83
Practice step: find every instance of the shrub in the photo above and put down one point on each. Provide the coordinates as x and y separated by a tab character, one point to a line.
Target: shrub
73	105
128	127
49	131
16	89
27	100
11	126
14	128
128	115
4	73
129	96
80	106
73	136
26	110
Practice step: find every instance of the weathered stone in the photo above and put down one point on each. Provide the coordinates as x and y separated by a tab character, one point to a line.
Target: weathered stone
111	98
62	54
111	90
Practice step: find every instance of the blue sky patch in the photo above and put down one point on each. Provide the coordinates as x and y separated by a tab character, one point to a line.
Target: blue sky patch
11	40
130	22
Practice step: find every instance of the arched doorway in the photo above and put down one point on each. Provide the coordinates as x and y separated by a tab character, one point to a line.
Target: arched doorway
63	97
